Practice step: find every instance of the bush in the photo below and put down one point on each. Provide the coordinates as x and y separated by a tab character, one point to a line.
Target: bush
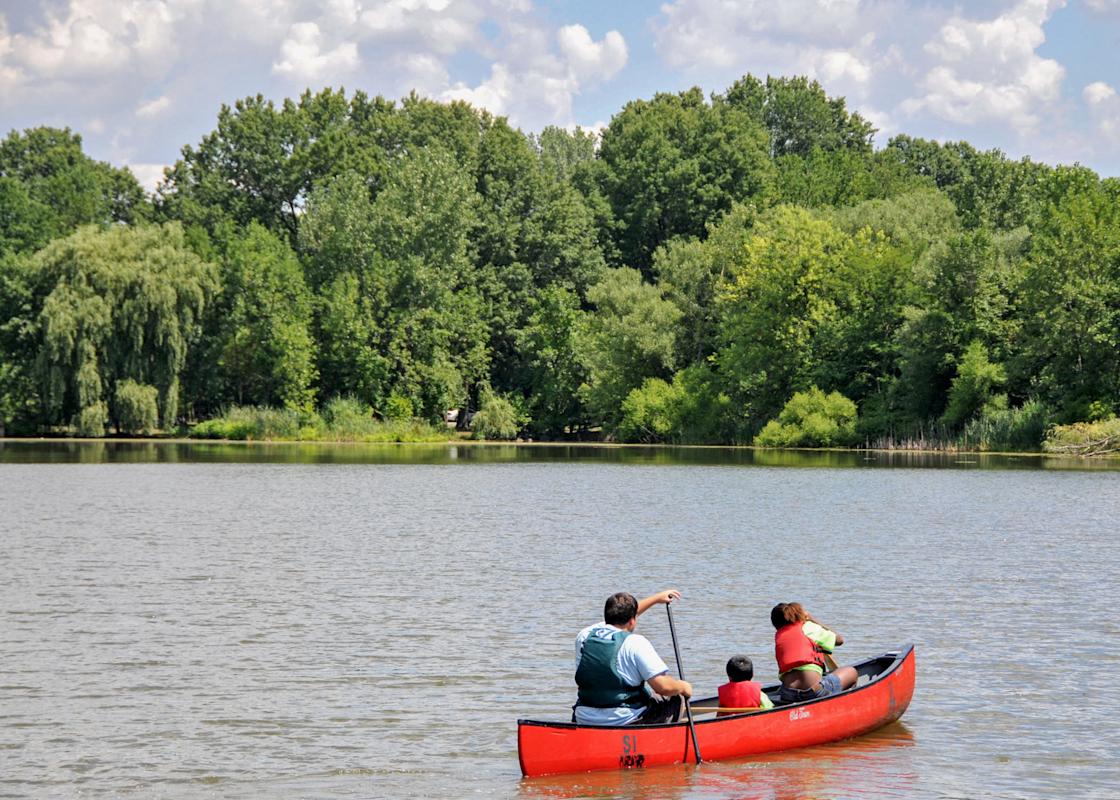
689	410
137	407
398	407
1002	428
251	422
812	419
348	418
344	419
651	413
1084	438
220	428
496	418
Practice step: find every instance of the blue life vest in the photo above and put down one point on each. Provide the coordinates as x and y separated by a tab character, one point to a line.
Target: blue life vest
600	685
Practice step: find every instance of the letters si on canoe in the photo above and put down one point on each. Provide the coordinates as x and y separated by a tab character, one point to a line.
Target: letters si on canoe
886	684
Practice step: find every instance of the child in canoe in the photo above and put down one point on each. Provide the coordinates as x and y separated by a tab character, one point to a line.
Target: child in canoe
740	691
800	644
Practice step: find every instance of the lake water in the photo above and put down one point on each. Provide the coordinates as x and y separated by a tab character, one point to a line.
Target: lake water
229	621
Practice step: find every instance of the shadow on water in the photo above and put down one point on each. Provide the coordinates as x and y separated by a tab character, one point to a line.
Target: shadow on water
869	766
61	451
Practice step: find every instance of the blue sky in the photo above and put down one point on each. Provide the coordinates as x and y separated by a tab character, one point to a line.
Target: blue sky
141	78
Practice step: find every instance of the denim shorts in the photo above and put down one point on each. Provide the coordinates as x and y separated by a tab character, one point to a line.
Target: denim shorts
829	685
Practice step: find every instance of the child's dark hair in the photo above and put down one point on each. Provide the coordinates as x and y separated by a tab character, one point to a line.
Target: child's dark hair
740	668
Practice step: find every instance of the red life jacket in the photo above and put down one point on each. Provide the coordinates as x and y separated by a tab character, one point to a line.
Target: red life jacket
740	694
794	649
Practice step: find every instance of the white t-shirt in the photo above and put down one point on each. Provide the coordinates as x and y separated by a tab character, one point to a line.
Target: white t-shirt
637	663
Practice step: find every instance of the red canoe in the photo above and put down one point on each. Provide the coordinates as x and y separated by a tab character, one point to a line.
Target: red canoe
886	684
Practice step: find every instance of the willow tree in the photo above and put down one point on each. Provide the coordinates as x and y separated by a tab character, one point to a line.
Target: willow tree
112	306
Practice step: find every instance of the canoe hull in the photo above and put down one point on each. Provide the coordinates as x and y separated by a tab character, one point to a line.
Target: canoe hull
546	748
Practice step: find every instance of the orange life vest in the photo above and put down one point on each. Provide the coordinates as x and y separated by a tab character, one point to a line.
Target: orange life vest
794	649
740	694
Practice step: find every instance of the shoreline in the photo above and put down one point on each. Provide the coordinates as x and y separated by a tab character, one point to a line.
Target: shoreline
542	443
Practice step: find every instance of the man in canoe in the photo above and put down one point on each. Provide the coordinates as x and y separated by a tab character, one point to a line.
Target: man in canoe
800	645
614	664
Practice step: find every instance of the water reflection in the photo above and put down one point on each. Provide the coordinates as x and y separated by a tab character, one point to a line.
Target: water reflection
64	451
869	766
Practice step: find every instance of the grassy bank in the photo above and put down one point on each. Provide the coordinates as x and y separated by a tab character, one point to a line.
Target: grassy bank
341	420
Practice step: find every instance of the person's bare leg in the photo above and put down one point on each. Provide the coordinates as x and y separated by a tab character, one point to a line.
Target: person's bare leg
848	677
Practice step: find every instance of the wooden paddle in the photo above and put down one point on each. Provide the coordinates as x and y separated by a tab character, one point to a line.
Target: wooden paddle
680	671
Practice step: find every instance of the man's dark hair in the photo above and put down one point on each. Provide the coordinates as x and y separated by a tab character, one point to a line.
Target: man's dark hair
740	668
620	609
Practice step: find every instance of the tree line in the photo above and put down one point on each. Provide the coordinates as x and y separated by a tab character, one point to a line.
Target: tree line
709	269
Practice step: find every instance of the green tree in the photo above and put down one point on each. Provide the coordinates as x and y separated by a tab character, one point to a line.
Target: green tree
965	292
799	116
399	303
262	161
913	221
109	306
267	354
553	371
690	410
650	413
840	177
1069	345
988	189
533	231
779	293
562	151
690	271
972	388
49	187
854	349
630	337
19	397
675	163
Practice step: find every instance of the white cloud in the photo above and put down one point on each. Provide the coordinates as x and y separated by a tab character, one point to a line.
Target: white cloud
715	31
95	39
588	59
990	69
883	122
535	86
148	175
1104	108
1098	93
836	42
304	60
836	65
493	94
422	72
438	26
153	108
